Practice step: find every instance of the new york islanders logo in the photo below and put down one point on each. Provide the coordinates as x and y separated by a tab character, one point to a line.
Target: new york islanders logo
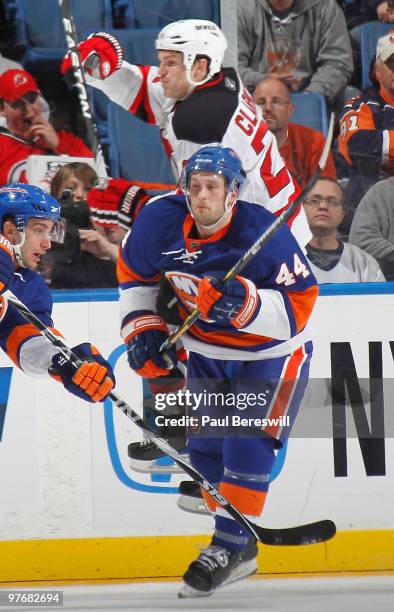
185	286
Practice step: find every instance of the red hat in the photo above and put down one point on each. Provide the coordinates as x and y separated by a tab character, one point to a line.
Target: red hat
14	84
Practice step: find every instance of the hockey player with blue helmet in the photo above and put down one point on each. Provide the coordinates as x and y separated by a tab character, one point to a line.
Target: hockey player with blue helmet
30	220
250	341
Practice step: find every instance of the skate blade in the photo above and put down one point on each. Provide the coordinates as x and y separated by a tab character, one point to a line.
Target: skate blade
187	592
195	505
243	571
156	466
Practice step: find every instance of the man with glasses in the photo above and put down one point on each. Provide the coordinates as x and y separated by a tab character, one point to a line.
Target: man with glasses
300	146
331	259
27	131
366	139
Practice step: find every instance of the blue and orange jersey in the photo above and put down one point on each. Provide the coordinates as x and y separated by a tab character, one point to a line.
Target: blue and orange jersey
20	340
366	138
164	242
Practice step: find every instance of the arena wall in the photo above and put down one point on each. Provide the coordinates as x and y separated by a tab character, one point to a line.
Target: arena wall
73	509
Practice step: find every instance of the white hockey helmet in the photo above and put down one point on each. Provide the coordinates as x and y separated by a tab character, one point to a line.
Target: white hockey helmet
193	37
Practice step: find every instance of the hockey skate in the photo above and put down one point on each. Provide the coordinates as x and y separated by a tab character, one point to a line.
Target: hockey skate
190	498
216	567
145	456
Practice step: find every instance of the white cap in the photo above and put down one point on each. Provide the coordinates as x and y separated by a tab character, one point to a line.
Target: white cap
385	46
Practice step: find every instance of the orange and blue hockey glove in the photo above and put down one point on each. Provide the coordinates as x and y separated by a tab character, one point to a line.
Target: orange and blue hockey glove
236	302
144	335
92	381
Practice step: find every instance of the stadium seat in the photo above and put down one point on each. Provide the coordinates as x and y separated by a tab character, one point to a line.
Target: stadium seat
310	110
138	45
135	149
158	13
369	34
40	30
139	48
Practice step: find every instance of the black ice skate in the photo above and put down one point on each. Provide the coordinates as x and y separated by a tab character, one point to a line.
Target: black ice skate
145	456
217	567
190	498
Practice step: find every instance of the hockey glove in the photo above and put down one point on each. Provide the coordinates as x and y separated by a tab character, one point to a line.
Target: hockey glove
236	302
6	263
92	381
118	204
101	54
145	335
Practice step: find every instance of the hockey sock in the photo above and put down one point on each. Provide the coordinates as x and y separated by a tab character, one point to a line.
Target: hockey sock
247	466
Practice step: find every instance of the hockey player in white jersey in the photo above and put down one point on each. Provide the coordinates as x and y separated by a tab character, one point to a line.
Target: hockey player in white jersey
195	102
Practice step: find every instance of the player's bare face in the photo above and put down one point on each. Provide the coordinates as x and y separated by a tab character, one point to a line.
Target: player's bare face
207	197
22	115
37	241
172	75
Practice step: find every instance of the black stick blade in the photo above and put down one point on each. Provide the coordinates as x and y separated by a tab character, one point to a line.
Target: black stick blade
311	533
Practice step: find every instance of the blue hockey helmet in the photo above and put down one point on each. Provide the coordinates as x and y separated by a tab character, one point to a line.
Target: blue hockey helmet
218	160
24	202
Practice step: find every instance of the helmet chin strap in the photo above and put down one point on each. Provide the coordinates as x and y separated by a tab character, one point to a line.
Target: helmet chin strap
227	209
17	249
196	83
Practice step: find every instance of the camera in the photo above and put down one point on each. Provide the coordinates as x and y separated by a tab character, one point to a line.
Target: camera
77	217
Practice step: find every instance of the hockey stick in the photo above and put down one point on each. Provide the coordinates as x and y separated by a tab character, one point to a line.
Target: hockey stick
261	241
80	84
291	536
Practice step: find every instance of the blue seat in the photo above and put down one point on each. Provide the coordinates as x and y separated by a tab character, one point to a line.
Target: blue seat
40	30
135	149
158	13
138	45
99	104
139	48
310	110
369	34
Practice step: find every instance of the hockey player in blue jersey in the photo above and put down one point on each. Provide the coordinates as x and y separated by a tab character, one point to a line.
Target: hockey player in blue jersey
30	220
7	266
252	335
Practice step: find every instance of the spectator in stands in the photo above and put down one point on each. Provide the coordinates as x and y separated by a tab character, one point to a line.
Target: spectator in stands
385	11
307	43
27	130
98	217
331	259
373	225
366	139
87	258
358	12
8	64
299	146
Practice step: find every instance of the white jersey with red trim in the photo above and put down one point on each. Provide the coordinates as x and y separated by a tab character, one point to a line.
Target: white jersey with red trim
22	341
219	112
163	242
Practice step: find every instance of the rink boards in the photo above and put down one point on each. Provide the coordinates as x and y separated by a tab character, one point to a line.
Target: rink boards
73	509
